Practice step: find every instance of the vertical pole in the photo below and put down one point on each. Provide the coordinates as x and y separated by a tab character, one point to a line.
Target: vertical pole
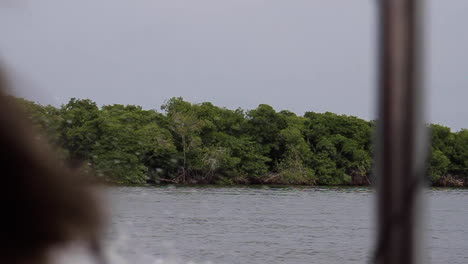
401	150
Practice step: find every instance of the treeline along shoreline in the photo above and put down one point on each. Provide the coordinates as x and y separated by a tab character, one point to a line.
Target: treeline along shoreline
189	143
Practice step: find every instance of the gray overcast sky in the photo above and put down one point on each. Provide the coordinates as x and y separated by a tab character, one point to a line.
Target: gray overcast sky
301	55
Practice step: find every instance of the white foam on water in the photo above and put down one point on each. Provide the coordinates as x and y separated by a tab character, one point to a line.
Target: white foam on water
77	254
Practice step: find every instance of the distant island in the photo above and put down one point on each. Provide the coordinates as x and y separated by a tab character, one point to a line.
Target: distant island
205	144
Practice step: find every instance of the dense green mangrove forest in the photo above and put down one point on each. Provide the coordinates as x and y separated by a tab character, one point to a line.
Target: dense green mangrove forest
187	143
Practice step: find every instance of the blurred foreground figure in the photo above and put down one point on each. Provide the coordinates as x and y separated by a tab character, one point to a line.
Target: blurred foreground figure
45	206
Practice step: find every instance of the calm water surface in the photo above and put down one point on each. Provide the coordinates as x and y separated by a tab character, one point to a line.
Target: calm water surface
269	225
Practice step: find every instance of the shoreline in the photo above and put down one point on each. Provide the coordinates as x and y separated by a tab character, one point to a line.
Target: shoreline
266	186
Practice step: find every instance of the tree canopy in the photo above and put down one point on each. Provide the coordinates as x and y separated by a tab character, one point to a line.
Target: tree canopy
203	143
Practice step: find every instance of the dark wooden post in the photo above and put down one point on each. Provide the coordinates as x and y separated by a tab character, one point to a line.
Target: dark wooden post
401	146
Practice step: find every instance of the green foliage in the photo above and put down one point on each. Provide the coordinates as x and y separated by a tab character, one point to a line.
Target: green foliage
341	147
438	165
78	127
293	170
460	154
128	136
204	143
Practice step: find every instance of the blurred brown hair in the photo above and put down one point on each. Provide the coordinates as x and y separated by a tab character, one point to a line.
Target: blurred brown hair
45	204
